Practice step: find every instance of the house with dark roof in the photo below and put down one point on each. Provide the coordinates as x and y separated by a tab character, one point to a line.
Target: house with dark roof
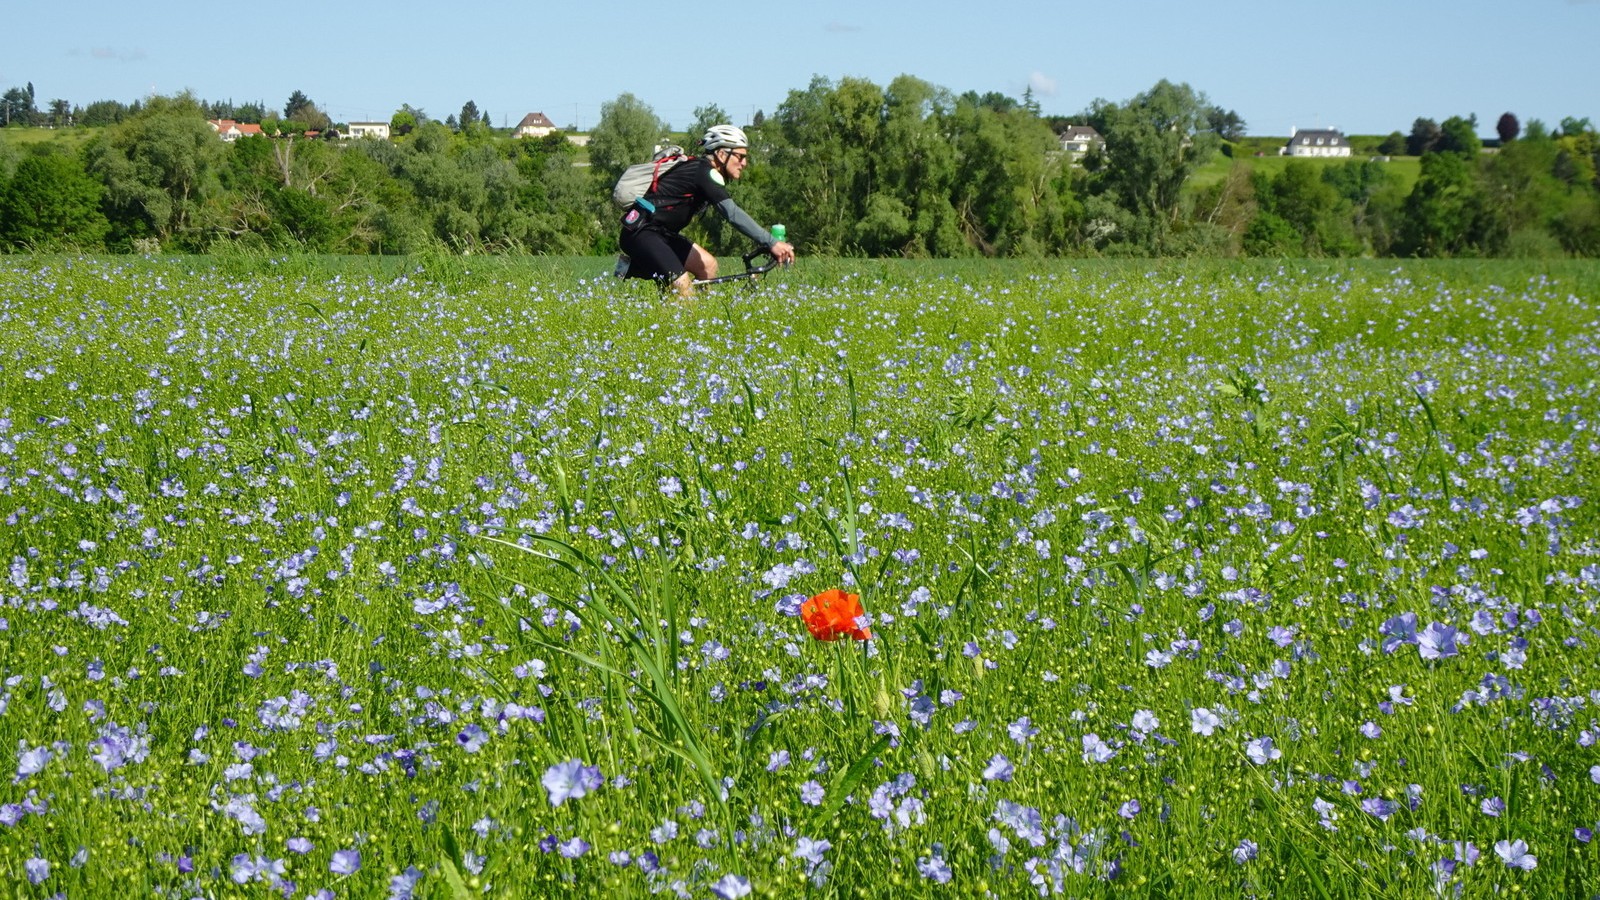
1079	141
534	124
1316	142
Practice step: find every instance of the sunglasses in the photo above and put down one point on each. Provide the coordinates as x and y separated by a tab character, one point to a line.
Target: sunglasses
742	157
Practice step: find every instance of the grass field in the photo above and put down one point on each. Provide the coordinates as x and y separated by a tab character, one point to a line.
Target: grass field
371	578
69	140
1405	168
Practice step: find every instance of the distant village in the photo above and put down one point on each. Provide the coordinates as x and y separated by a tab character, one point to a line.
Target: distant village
533	125
1077	141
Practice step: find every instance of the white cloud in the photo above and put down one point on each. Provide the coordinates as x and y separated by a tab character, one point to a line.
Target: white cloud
1042	84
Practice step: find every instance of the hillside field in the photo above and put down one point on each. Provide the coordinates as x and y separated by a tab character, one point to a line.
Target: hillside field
1405	168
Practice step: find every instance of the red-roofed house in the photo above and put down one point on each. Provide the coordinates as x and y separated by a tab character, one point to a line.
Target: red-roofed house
231	131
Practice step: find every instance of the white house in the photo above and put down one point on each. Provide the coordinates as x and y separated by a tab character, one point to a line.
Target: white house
367	129
1079	140
1316	142
534	124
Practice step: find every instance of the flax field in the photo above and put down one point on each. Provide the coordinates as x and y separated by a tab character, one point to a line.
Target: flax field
443	580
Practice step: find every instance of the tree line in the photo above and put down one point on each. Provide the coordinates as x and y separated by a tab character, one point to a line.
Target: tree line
853	168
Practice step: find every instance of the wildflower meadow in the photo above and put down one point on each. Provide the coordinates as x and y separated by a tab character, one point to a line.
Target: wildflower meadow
1062	579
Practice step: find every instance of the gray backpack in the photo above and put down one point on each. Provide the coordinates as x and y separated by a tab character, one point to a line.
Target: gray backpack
638	179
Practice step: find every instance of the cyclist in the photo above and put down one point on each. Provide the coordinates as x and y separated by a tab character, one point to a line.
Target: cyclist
650	228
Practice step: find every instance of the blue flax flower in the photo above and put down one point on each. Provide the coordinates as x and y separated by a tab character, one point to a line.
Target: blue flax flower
1437	641
345	862
1516	855
1000	769
37	869
570	780
1379	807
731	887
1245	852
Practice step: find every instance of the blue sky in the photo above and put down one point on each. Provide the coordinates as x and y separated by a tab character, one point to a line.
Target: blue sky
1365	66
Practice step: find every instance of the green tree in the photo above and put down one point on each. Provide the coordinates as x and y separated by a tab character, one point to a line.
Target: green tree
1570	125
379	206
1371	198
304	114
476	132
1459	135
1393	145
990	100
912	170
450	183
1578	158
159	169
50	201
704	117
1154	142
105	112
364	199
1269	234
1300	197
1358	181
1548	188
1521	181
469	115
919	167
304	218
1008	186
1226	123
403	122
1448	213
565	213
627	133
1577	227
16	107
1425	135
278	191
823	139
297	105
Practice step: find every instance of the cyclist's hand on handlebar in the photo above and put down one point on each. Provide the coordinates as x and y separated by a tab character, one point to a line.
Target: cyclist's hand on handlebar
783	252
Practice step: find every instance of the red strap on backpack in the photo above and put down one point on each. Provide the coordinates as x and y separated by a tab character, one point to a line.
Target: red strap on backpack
655	180
655	173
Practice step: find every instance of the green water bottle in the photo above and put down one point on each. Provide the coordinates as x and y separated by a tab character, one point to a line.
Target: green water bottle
779	233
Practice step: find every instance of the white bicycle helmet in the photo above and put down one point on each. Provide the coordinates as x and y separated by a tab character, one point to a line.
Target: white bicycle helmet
724	137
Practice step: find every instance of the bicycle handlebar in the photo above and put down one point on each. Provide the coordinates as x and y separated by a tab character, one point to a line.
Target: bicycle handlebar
750	271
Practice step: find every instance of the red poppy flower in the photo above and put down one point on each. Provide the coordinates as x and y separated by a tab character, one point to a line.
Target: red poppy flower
832	614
